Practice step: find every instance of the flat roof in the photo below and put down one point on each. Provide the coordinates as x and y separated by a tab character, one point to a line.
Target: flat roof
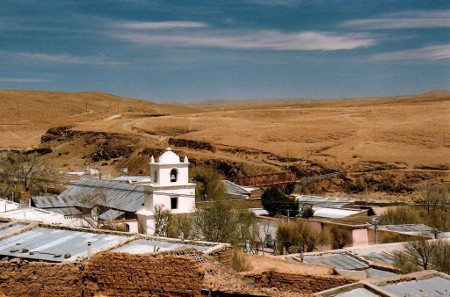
9	229
6	205
434	286
334	213
340	261
410	229
34	214
358	292
140	246
51	244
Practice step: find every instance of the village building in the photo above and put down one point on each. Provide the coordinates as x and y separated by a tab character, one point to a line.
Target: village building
169	189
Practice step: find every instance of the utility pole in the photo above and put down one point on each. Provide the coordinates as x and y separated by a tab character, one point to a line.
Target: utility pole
288	211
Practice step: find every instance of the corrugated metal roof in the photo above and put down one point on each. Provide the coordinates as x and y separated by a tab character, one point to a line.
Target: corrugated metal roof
377	273
410	229
232	188
132	179
67	211
10	228
111	214
435	286
334	213
323	201
46	243
53	201
111	194
380	257
151	246
359	292
340	261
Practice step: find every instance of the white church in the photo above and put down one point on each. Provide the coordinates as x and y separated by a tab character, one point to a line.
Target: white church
169	187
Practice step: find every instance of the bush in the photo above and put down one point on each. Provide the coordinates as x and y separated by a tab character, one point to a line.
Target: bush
238	261
307	212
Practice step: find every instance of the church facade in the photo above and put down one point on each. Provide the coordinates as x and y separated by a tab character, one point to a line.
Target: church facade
169	188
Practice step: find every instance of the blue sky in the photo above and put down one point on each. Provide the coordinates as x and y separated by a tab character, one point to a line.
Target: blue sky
190	50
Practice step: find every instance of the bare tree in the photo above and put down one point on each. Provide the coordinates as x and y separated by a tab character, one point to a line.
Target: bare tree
23	172
420	251
340	237
435	196
440	258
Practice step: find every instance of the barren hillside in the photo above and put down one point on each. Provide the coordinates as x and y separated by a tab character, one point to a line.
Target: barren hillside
405	139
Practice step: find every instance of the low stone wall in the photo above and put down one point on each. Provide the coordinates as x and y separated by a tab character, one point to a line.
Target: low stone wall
121	274
40	279
107	274
305	284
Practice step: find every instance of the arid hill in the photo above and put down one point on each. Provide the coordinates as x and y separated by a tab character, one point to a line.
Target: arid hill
401	141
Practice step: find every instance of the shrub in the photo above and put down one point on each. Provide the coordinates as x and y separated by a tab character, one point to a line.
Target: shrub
277	203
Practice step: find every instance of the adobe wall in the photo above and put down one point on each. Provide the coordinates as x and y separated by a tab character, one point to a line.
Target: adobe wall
40	279
305	284
107	274
121	274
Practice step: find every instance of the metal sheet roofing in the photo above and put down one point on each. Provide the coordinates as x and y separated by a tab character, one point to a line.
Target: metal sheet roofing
323	201
53	244
9	229
151	246
358	292
380	257
111	194
232	188
132	179
52	201
435	286
410	229
67	211
111	214
340	261
377	273
334	213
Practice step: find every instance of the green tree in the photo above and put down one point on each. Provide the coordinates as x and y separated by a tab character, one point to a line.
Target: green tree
277	203
307	212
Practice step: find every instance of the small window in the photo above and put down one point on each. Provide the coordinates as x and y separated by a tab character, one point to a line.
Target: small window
173	202
173	175
156	176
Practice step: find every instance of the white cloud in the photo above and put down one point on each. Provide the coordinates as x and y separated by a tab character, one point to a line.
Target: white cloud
23	80
404	20
69	59
265	40
437	52
159	25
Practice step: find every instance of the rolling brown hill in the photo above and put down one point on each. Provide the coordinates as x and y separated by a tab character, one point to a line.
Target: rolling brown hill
406	139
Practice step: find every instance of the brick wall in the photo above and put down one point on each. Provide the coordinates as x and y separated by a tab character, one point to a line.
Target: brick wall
306	284
40	279
121	274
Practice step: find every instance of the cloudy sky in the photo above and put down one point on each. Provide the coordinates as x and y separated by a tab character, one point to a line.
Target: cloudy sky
189	50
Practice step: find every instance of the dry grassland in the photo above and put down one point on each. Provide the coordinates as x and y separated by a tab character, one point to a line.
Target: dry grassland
409	133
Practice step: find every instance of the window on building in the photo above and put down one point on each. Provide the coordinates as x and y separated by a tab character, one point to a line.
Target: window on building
173	175
156	176
173	202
